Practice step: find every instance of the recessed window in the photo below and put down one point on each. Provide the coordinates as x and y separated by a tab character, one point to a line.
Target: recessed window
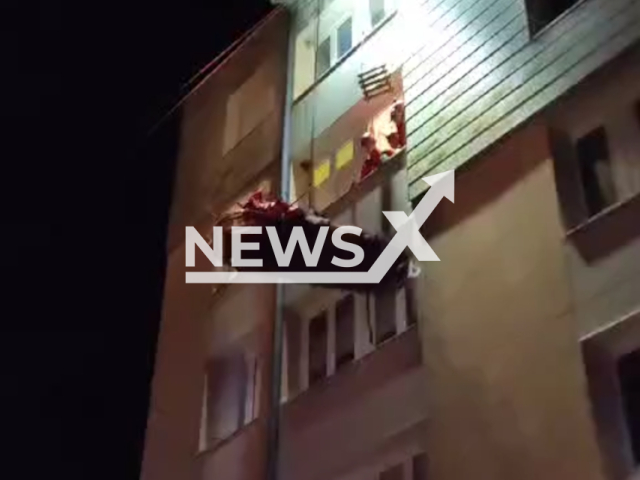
629	375
345	37
344	331
323	57
594	161
542	12
318	348
385	309
376	9
419	467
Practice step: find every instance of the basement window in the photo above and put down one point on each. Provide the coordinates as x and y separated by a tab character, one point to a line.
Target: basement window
543	12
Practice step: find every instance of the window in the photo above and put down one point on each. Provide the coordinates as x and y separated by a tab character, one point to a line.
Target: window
345	37
249	105
543	12
419	467
612	364
629	376
323	58
318	348
385	303
594	161
376	10
230	395
344	331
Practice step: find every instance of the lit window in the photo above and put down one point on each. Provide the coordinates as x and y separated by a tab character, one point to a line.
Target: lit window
376	9
344	155
345	40
321	173
323	59
543	12
595	167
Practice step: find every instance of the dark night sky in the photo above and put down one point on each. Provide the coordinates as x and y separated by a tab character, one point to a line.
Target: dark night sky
84	200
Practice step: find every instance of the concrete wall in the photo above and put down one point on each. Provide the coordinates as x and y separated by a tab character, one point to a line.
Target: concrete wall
206	179
507	388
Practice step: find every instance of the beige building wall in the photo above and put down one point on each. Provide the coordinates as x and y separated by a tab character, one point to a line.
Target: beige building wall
211	171
507	388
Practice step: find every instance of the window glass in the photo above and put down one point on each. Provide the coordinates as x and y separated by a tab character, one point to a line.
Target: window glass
595	167
344	331
385	309
543	12
318	348
345	37
323	59
376	10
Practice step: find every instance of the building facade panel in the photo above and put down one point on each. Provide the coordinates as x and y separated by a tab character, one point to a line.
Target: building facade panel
495	98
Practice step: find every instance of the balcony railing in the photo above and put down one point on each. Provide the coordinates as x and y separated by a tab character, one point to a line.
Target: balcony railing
351	395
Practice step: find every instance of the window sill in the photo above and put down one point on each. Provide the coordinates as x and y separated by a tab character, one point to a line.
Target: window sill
608	230
343	59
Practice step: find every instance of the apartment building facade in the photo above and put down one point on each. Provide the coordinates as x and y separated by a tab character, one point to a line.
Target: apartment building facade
516	355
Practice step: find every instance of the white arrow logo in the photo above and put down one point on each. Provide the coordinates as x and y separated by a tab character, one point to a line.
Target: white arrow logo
407	235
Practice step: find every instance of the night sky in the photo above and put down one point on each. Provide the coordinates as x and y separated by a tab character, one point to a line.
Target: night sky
85	193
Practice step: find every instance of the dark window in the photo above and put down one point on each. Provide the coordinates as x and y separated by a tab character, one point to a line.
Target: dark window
594	161
393	473
345	40
419	467
318	348
385	315
376	8
637	109
629	373
542	12
323	59
344	331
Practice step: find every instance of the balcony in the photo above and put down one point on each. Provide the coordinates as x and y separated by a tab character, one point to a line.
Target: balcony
360	190
335	417
364	404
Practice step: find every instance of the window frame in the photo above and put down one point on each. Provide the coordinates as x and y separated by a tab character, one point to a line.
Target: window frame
536	30
601	352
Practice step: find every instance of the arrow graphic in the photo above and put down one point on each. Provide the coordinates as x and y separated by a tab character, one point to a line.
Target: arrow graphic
407	235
